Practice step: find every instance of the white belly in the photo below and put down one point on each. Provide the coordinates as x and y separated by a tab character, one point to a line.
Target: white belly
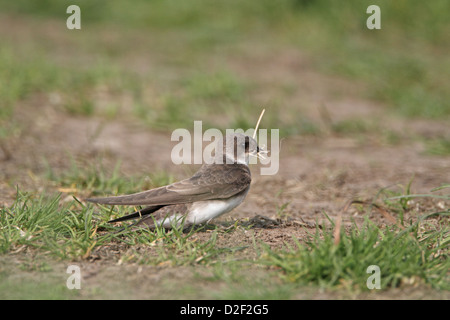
203	211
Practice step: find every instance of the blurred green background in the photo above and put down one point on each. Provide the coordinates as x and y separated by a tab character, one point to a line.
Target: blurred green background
167	62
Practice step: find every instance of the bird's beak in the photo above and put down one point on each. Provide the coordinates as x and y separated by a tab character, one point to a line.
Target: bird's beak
260	153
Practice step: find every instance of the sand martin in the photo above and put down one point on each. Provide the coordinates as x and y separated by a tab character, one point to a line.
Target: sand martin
216	188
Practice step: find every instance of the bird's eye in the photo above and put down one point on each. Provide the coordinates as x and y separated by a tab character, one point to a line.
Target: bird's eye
246	145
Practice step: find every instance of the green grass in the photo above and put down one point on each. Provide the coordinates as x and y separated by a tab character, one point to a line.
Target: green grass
43	224
353	126
415	253
402	65
72	230
439	146
402	256
98	180
26	287
177	247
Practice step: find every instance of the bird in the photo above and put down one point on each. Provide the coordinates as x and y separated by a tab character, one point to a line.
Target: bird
216	188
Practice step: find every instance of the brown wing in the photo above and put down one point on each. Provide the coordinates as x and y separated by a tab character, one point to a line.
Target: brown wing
213	181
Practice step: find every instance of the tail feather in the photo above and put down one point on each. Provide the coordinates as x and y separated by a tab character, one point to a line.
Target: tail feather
137	214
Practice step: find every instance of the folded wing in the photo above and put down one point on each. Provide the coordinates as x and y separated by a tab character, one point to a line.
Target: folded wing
214	181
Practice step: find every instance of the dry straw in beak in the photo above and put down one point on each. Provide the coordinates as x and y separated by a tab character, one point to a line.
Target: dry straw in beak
257	124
